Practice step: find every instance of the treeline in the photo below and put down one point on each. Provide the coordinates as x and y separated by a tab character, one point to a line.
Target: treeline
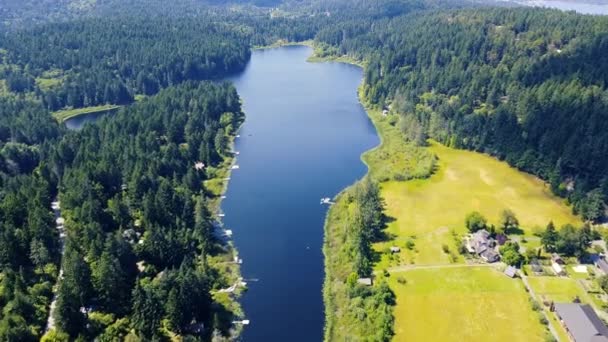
92	62
138	228
354	311
526	85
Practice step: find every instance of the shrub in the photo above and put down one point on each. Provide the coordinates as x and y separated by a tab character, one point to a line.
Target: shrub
410	244
445	249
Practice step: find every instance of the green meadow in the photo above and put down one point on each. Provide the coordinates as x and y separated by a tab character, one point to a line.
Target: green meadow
450	301
463	304
430	211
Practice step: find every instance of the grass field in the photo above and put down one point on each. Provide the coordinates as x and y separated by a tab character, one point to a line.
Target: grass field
430	209
63	115
463	304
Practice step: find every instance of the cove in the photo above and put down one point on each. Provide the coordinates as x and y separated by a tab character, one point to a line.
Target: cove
304	133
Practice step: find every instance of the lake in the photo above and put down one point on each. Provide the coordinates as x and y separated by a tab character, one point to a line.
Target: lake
78	122
304	133
302	139
591	7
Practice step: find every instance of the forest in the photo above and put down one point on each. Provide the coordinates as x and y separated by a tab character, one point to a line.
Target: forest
138	227
110	61
525	85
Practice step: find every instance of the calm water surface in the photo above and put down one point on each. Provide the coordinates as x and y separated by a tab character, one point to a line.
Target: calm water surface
302	140
596	8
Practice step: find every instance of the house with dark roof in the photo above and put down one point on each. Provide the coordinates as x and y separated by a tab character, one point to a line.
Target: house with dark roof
581	322
482	244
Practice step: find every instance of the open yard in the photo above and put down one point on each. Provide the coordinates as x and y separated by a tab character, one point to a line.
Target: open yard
463	304
427	211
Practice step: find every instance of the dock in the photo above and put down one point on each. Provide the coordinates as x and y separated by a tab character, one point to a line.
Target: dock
327	200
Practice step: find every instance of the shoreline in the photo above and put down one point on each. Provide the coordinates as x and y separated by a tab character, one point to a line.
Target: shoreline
230	252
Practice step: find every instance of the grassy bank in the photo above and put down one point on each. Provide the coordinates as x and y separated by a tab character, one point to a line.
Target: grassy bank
281	43
356	312
66	114
223	262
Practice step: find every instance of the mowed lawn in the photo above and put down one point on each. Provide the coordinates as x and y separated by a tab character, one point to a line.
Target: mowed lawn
463	304
427	211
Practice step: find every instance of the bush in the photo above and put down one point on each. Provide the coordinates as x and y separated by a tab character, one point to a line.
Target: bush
445	248
542	319
401	280
410	244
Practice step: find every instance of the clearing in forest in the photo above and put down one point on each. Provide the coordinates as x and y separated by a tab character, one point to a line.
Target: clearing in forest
428	212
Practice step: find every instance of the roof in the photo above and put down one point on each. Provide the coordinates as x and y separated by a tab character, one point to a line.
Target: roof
556	258
365	281
582	322
602	264
557	267
480	241
511	271
490	255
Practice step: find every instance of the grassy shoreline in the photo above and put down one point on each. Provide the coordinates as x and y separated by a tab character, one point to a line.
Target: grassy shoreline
343	309
282	43
216	187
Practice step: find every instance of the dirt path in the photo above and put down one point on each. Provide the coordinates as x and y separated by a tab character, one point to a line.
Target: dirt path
405	268
524	279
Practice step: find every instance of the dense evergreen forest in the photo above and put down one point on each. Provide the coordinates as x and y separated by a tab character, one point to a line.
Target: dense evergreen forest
101	61
138	228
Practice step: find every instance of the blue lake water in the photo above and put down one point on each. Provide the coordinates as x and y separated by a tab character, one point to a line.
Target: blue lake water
599	7
302	140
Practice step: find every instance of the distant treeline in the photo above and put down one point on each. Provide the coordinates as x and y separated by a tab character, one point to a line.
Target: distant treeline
108	61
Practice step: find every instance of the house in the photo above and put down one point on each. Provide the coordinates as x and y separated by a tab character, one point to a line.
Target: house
482	244
501	239
365	281
511	272
581	322
490	255
601	264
